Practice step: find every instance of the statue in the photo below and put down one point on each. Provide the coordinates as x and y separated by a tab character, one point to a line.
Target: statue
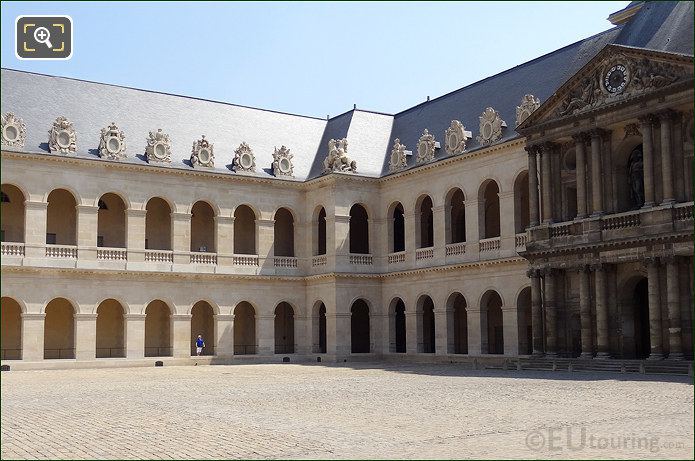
635	176
337	158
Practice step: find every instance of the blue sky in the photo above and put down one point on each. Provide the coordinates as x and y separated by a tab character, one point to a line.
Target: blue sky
306	58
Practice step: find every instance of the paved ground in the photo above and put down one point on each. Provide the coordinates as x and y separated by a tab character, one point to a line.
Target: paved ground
308	411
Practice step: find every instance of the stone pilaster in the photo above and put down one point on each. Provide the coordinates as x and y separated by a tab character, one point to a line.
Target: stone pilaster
602	341
440	332
536	311
265	235
181	337
550	312
87	223
224	240
666	119
580	160
439	229
596	173
224	335
85	336
655	335
534	217
134	335
647	159
266	334
510	330
674	314
585	312
35	218
181	238
475	329
135	222
546	183
32	337
410	331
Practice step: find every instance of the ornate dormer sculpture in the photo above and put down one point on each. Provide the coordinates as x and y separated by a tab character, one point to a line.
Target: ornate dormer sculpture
425	147
244	159
398	160
112	143
14	132
202	155
62	137
337	159
456	137
158	148
529	103
282	162
491	125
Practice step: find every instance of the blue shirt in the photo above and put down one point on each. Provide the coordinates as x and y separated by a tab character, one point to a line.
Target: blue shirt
199	342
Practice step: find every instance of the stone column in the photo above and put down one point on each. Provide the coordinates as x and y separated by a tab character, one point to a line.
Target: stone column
181	238
134	335
674	313
87	227
666	157
472	227
532	186
224	240
655	336
510	330
266	334
85	336
265	236
546	186
342	343
35	216
647	159
550	313
536	311
580	160
602	342
181	335
135	222
596	173
475	339
439	229
440	331
680	177
224	335
585	312
341	239
32	337
411	331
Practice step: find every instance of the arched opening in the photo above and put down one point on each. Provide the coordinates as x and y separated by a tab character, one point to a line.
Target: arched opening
397	228
523	319
202	227
359	230
320	236
489	206
157	224
110	329
456	308
397	326
11	333
634	302
59	330
111	231
244	329
425	330
456	216
284	233
521	203
12	214
284	329
319	328
244	230
61	218
492	331
425	222
158	330
359	327
203	324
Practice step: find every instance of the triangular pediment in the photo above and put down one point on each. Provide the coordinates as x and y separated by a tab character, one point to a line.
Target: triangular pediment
615	75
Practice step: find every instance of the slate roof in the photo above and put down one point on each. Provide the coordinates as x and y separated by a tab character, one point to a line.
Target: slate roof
39	99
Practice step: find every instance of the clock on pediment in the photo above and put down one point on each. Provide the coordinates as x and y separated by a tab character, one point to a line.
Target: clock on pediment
616	78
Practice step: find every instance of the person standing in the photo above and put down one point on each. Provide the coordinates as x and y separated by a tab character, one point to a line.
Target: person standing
199	345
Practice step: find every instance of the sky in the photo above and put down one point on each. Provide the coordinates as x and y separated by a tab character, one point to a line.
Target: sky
308	58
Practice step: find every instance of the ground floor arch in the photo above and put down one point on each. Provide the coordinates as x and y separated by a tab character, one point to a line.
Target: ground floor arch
523	319
203	324
284	329
110	330
492	329
397	327
425	325
158	330
319	328
59	330
244	329
359	327
634	305
457	320
11	334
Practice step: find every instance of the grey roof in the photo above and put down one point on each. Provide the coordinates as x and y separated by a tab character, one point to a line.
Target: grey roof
39	99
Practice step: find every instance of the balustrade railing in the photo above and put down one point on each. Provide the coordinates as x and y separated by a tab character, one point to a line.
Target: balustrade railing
61	251
520	240
490	244
245	260
203	258
424	253
285	261
395	258
112	254
621	221
159	256
561	229
319	260
12	249
361	260
455	249
683	212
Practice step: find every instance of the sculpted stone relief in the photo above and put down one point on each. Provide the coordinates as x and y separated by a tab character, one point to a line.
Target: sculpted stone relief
13	131
62	137
202	153
529	103
244	160
491	125
337	158
398	160
112	143
282	162
425	147
158	148
455	138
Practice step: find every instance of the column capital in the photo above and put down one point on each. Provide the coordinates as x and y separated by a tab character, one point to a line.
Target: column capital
667	115
669	259
582	268
533	272
224	317
180	216
181	316
33	316
548	148
87	208
646	120
341	218
134	316
651	261
533	149
548	271
598	133
265	222
31	205
581	138
85	316
135	213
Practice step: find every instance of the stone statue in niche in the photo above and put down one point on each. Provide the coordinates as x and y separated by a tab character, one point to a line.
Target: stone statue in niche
635	174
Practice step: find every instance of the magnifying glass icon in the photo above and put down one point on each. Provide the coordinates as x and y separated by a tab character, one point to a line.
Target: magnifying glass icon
42	35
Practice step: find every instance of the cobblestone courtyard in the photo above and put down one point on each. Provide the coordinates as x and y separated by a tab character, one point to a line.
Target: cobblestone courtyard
357	411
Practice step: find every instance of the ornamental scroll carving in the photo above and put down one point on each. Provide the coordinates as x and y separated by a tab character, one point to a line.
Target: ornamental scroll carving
529	103
282	162
202	153
244	160
425	147
112	143
14	132
398	159
455	138
158	148
62	136
491	125
337	158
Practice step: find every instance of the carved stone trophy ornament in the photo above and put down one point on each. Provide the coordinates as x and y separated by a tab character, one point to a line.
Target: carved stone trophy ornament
202	154
112	143
397	160
337	158
455	138
425	147
14	132
244	159
491	125
282	162
62	137
529	103
158	148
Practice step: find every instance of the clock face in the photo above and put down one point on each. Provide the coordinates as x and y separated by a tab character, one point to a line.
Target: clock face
616	79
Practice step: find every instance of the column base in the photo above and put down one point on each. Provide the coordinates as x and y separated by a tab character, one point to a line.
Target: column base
603	355
656	356
586	355
675	356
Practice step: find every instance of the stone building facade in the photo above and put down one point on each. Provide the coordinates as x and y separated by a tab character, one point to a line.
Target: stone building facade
546	210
